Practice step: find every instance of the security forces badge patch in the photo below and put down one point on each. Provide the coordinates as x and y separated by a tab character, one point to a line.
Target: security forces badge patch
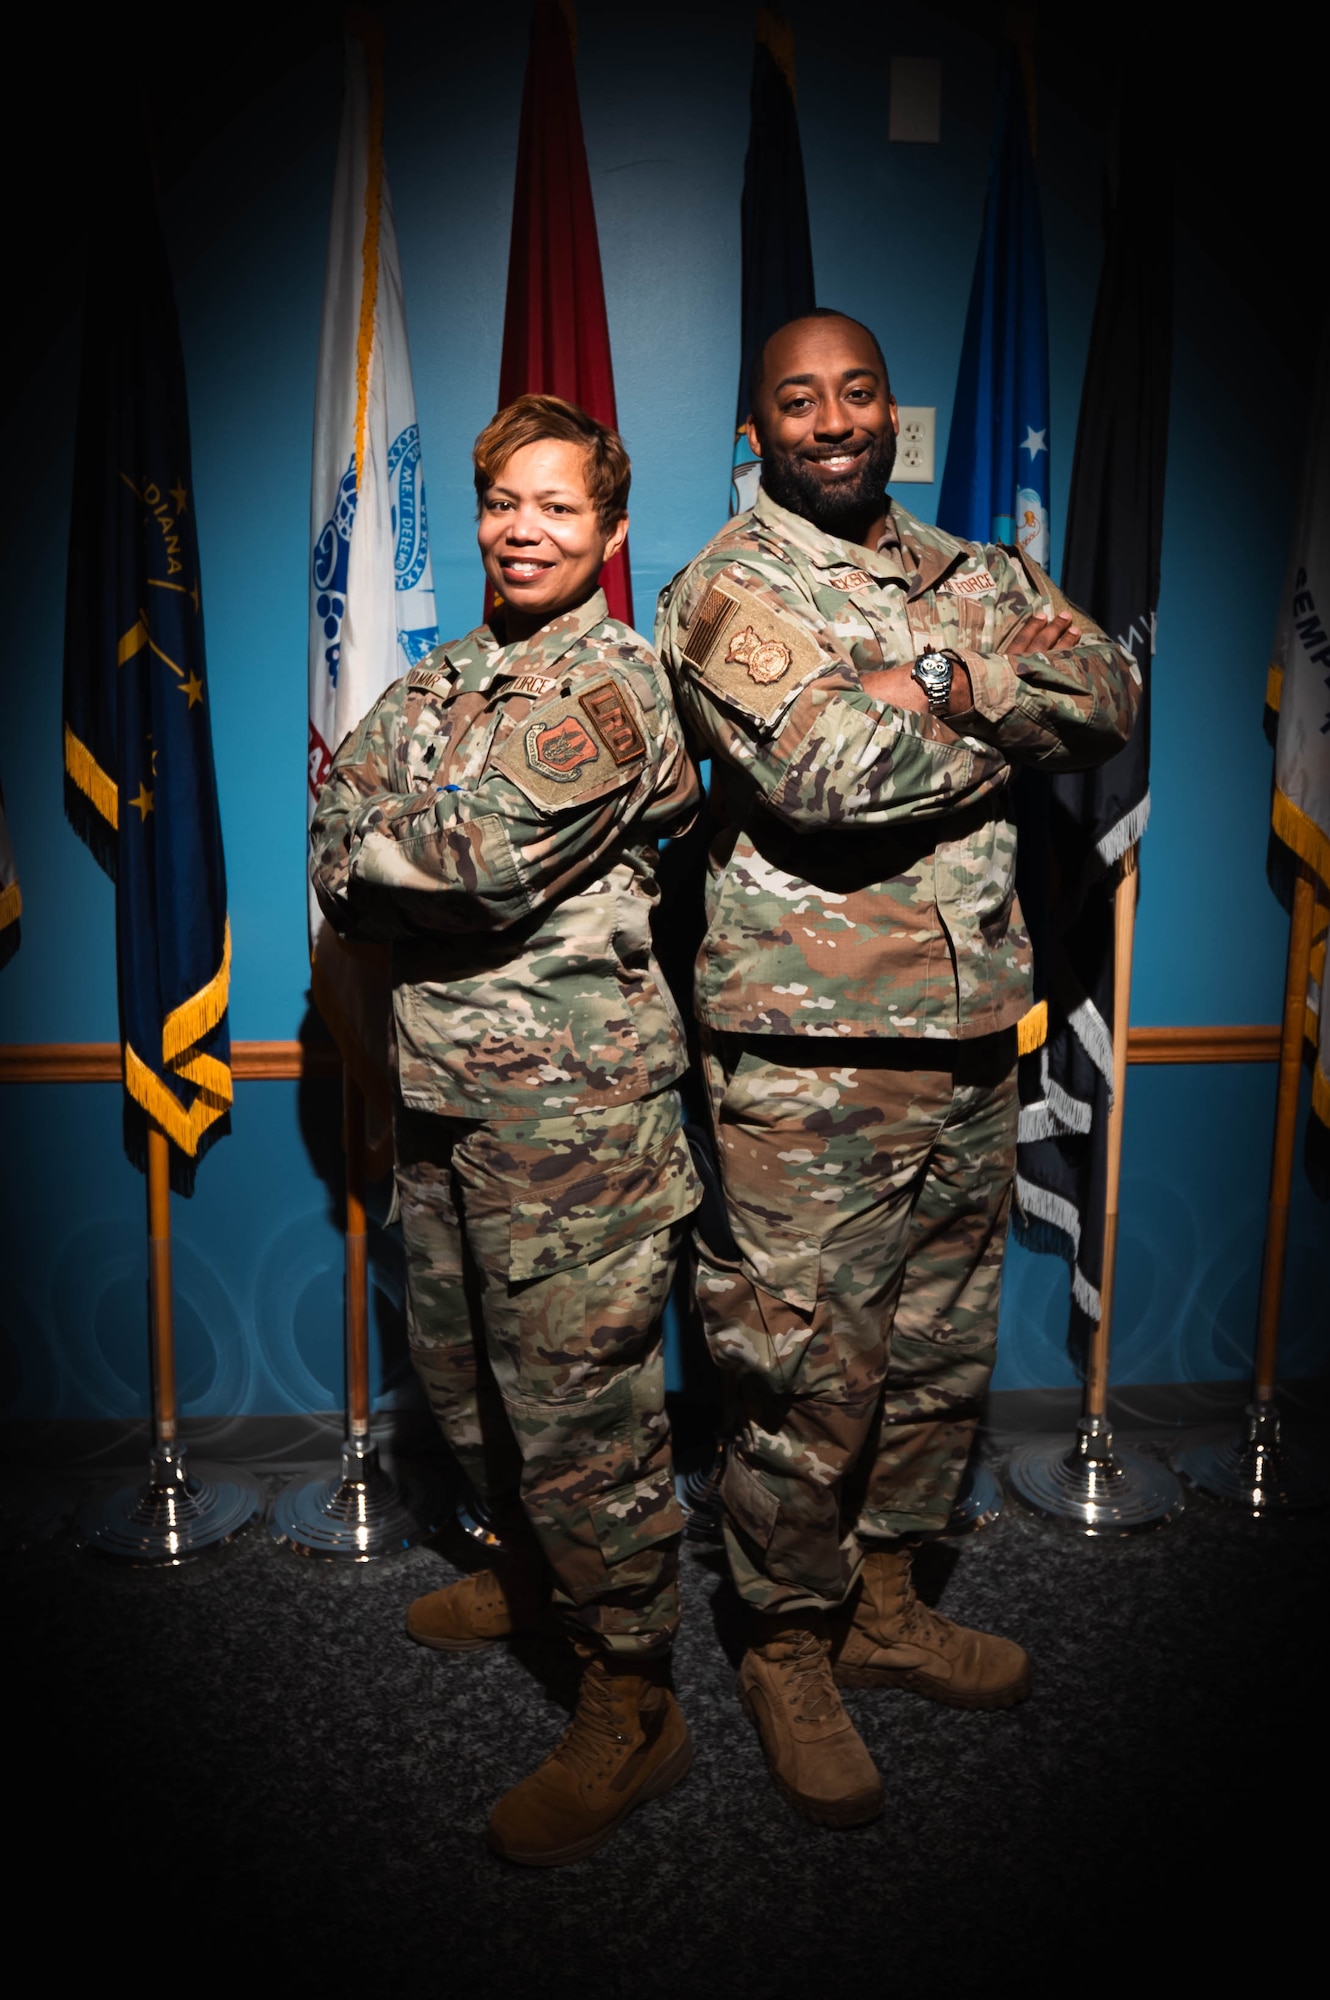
749	652
577	748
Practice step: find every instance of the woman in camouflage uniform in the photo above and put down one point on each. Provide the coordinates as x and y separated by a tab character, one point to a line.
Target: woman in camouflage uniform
495	817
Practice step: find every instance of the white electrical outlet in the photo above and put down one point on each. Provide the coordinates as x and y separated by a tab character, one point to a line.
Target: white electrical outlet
914	446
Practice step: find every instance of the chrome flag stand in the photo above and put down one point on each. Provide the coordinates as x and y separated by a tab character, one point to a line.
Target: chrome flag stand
1258	1469
357	1514
176	1513
1092	1487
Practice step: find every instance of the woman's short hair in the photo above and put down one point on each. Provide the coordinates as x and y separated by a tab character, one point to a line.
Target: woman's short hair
533	418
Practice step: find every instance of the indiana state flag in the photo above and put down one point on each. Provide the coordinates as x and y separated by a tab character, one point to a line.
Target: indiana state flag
995	487
140	787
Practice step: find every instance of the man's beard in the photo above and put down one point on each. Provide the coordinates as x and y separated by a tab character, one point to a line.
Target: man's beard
792	483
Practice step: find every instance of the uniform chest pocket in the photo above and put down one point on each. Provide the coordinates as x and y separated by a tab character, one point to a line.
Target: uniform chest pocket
940	617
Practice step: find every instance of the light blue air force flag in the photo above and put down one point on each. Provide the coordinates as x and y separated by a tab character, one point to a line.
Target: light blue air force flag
995	487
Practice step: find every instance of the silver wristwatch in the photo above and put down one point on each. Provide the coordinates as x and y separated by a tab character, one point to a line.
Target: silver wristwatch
934	670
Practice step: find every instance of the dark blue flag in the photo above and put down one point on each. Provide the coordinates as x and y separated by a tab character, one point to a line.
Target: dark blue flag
1088	820
995	485
140	786
777	277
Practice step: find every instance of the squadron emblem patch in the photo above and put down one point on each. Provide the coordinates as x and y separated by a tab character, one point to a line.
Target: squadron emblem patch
751	651
604	707
766	659
577	748
558	750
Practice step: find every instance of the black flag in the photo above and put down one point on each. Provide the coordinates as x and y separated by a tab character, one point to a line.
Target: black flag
777	276
1088	820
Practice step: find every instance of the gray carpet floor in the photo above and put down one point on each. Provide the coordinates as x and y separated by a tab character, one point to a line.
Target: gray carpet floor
241	1777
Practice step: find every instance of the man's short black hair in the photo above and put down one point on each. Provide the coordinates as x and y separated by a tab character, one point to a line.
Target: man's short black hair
756	372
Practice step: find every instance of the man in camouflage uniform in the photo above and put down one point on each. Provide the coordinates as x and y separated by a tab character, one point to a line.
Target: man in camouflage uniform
864	684
496	817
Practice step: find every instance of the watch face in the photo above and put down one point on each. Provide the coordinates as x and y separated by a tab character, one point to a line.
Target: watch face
933	671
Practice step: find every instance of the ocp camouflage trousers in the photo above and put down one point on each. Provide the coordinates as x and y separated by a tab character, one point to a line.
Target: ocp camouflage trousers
869	1199
539	1257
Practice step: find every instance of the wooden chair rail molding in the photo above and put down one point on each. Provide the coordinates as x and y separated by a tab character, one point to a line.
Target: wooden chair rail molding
252	1062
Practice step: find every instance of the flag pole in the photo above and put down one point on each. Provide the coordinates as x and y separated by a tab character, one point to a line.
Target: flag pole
1257	1468
176	1513
359	1514
1093	1487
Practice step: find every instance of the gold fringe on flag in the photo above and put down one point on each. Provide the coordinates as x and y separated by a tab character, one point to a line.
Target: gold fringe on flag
11	906
91	779
185	1128
191	1020
1032	1029
1299	831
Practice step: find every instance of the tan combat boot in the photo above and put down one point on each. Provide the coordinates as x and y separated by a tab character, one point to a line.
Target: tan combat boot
627	1742
478	1609
885	1637
813	1750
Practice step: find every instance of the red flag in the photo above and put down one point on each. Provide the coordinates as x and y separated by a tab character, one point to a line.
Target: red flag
556	340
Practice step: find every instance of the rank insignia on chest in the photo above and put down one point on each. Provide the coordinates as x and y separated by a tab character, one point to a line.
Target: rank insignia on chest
850	579
604	708
558	750
979	583
749	651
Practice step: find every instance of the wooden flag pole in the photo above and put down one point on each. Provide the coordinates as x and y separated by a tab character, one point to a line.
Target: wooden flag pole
175	1514
1257	1468
1286	1120
161	1310
357	1260
358	1514
1092	1486
1124	938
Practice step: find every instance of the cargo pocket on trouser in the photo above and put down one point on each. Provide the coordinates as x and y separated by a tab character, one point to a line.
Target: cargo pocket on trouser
753	1327
598	1491
799	1430
447	1349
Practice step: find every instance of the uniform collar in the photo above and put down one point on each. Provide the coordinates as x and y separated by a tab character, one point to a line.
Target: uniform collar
828	552
910	550
483	660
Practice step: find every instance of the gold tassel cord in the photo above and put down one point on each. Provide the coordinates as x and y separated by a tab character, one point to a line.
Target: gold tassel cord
85	772
1032	1029
11	906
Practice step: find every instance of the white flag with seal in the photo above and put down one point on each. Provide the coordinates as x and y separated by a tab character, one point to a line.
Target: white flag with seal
1299	689
371	613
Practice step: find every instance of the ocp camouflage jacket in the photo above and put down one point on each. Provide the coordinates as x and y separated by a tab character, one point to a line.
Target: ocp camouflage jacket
862	871
495	816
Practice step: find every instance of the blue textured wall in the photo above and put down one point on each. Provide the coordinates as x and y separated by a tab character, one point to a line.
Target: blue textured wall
664	101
